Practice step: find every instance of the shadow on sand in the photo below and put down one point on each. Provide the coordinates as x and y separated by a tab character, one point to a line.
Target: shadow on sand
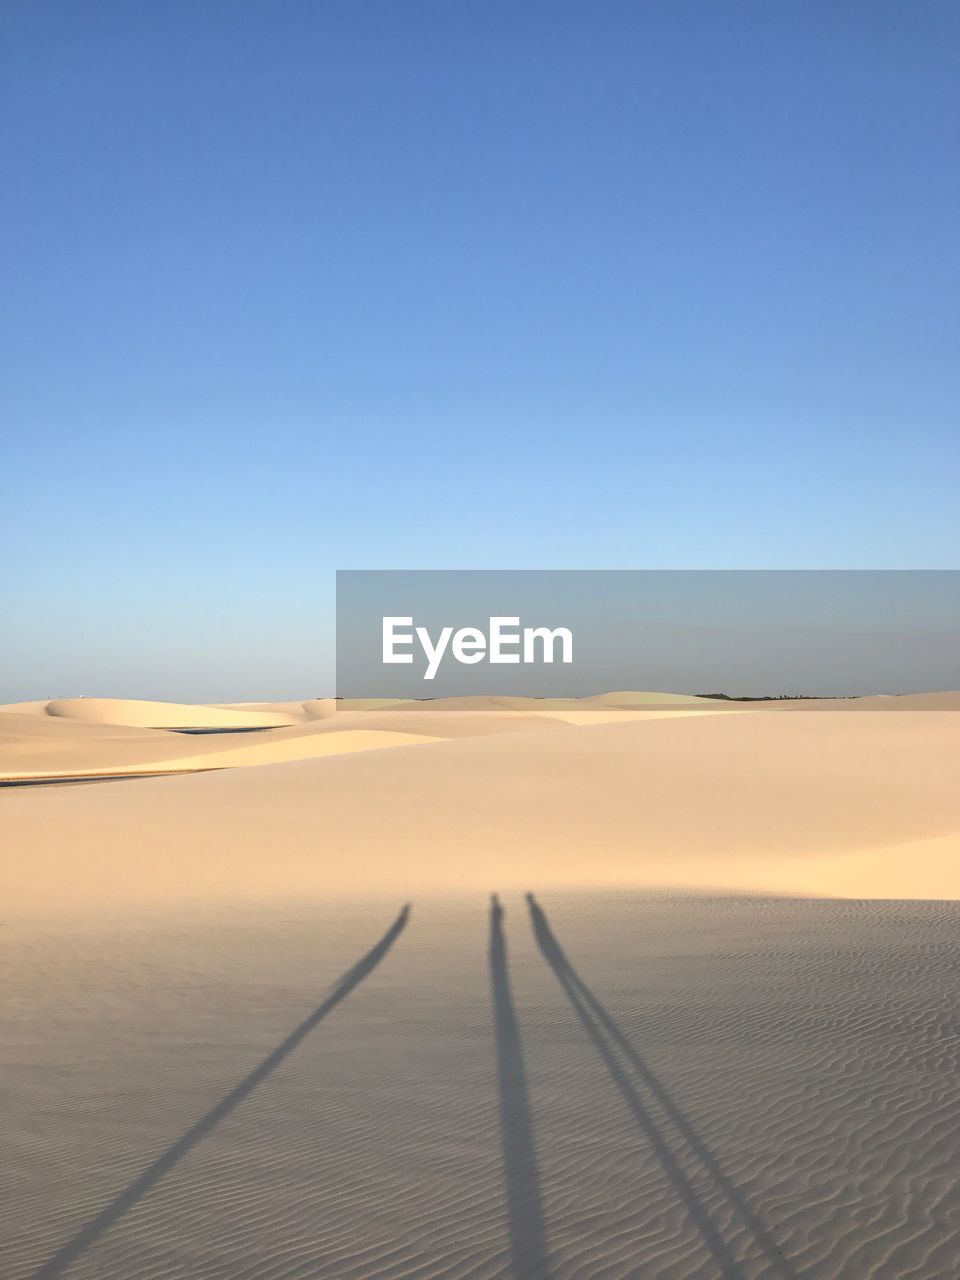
148	1179
609	1040
527	1235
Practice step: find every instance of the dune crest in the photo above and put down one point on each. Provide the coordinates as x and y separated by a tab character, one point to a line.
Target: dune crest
163	715
752	799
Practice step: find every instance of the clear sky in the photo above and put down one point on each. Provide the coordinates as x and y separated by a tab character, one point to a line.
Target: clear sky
291	286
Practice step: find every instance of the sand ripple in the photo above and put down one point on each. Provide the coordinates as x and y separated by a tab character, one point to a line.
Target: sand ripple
670	1087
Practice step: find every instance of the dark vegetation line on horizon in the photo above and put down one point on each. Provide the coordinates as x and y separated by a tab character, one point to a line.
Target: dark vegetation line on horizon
574	697
780	697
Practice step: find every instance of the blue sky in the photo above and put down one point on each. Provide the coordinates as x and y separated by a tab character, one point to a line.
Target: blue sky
297	286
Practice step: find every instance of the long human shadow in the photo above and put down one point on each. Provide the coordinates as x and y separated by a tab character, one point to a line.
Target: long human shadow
148	1179
525	1224
596	1020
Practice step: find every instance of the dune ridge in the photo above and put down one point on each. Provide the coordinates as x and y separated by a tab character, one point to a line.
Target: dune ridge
763	800
45	742
163	715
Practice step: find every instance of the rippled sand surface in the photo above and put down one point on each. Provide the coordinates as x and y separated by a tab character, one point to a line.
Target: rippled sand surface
616	1085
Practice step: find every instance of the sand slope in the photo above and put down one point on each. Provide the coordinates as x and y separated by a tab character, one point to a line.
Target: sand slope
46	751
230	1055
162	715
650	698
103	737
755	800
757	1089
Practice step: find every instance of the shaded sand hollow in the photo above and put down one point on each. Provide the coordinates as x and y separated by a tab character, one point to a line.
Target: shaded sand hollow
232	1053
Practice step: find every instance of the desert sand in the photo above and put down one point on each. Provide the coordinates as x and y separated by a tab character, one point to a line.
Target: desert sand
858	798
266	1020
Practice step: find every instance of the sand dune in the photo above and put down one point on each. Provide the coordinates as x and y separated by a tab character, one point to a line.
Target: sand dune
441	722
311	709
97	737
883	702
232	1055
636	698
87	738
42	740
619	715
43	750
162	715
757	800
279	750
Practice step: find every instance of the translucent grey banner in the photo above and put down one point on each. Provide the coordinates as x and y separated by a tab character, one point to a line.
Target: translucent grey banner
572	633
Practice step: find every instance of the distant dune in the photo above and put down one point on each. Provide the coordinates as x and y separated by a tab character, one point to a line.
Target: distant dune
64	739
163	715
630	698
635	791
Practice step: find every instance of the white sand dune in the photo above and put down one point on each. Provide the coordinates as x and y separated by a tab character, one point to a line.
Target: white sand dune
949	701
88	737
312	709
618	715
223	1062
162	715
281	749
319	708
441	721
650	698
756	800
45	749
